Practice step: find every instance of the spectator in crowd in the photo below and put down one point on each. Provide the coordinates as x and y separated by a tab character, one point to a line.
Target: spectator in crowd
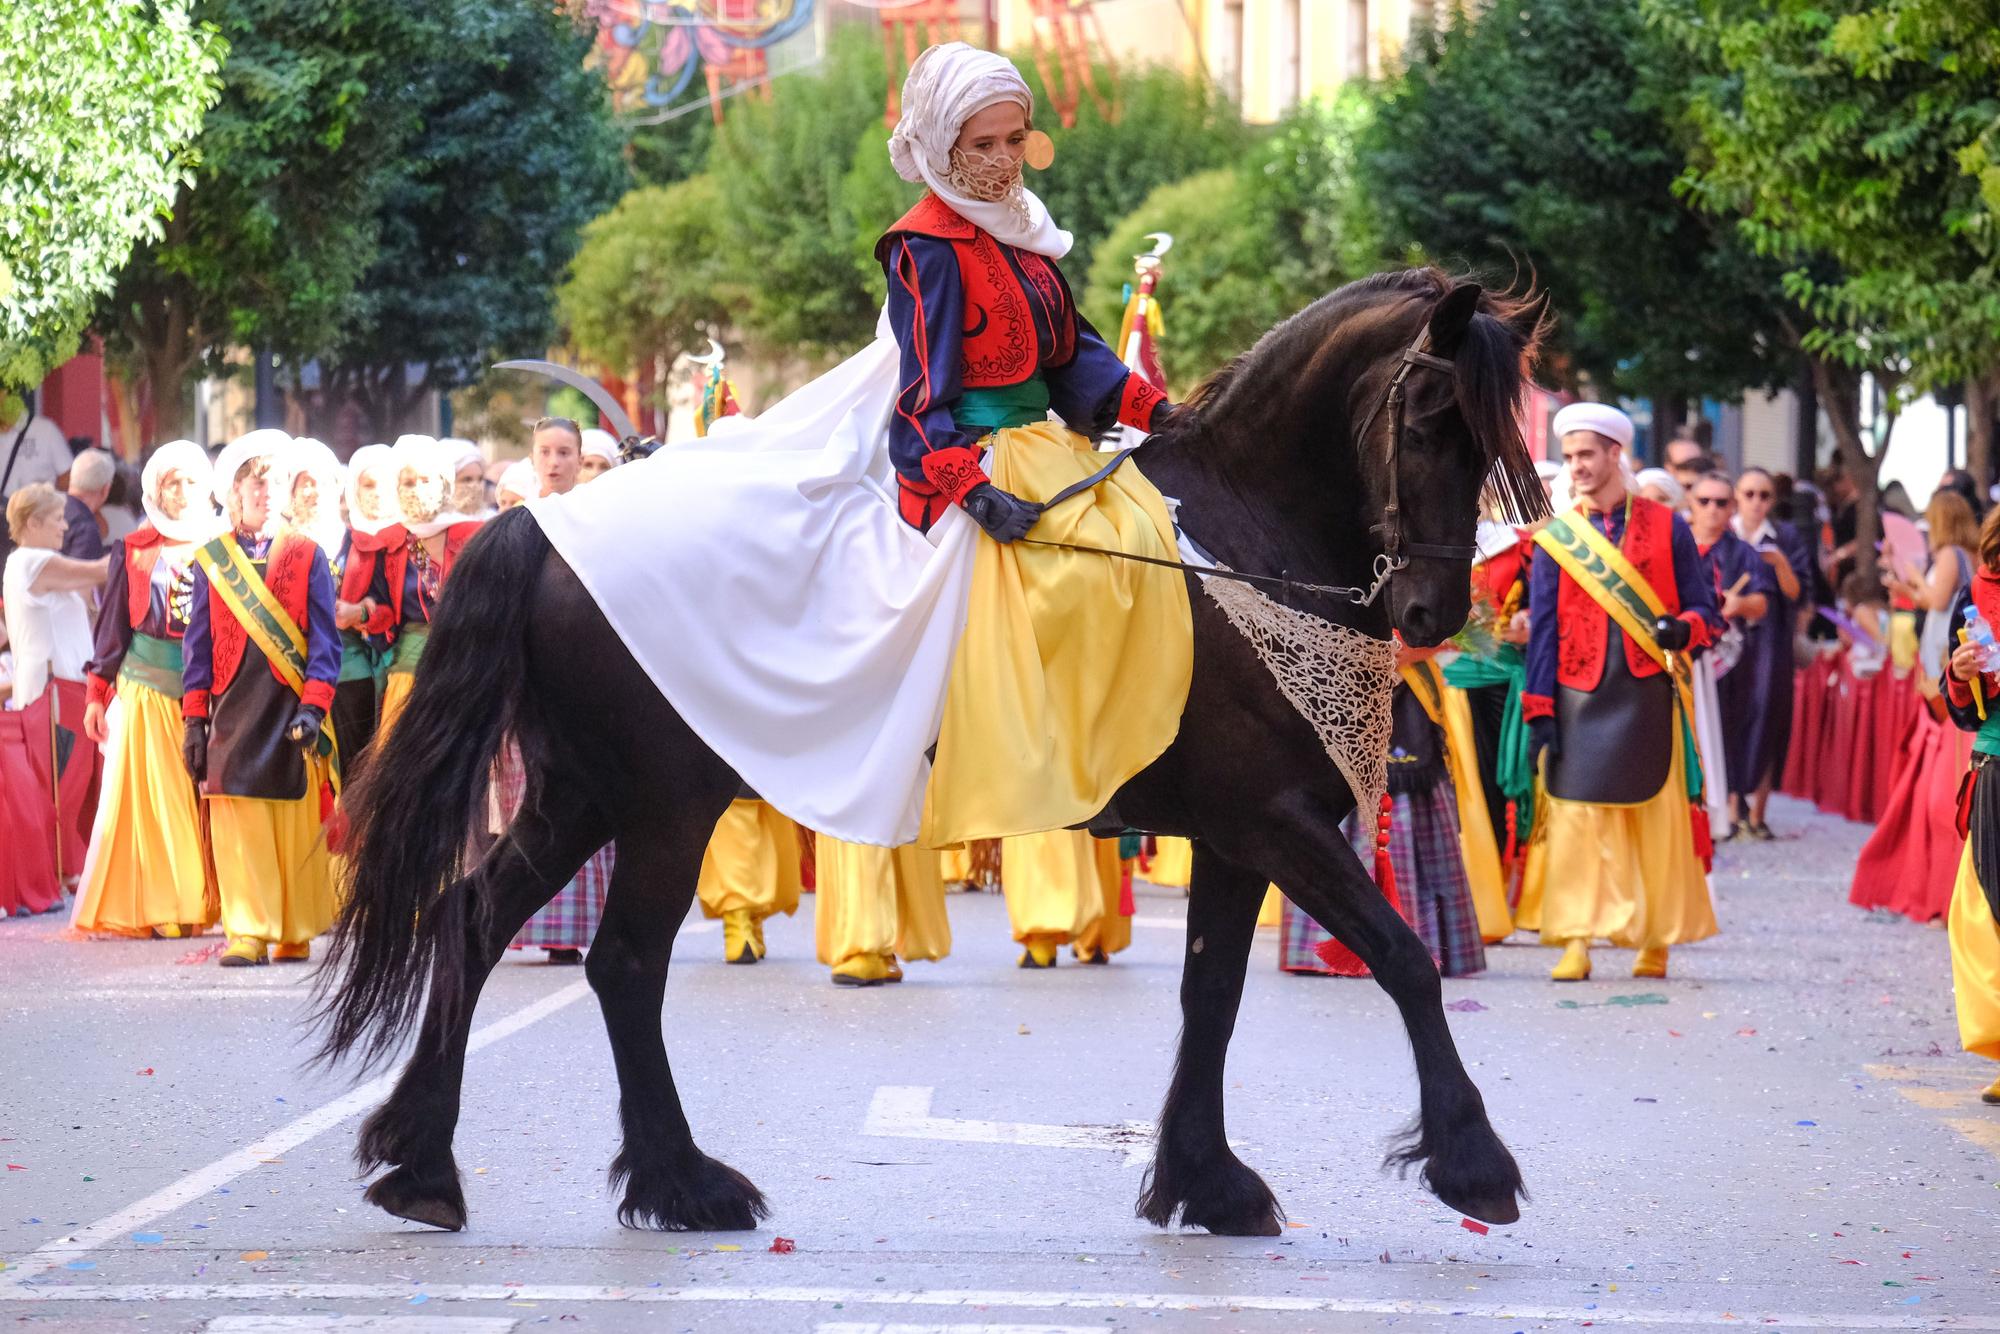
1842	520
48	620
1895	499
32	448
518	485
1687	460
90	479
1961	481
1658	484
1757	692
1953	536
600	454
557	455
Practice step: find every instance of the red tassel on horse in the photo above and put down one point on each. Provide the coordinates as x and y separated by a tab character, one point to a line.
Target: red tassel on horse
1336	956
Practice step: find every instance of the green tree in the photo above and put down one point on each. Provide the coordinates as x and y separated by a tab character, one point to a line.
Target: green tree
517	152
672	150
652	277
100	103
266	243
1867	133
1542	138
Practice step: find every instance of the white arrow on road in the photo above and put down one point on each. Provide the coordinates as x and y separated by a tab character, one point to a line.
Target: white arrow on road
904	1112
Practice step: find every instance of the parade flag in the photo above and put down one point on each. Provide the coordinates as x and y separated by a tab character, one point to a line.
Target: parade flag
1142	324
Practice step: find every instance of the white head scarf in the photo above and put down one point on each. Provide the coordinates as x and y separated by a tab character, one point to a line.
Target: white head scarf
1602	418
199	522
378	461
947	86
1666	481
601	443
463	453
264	443
433	459
519	480
310	456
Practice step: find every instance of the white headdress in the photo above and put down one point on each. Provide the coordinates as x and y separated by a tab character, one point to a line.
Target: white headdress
1666	481
379	462
947	86
601	443
1602	418
199	522
435	461
311	457
519	480
264	443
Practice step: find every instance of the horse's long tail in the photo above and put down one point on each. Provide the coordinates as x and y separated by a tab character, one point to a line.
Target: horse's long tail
418	795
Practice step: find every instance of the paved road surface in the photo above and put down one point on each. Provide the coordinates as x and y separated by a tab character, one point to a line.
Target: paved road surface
1783	1136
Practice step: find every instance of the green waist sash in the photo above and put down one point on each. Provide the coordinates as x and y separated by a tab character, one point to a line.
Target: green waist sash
359	660
409	648
1513	775
154	663
1021	404
1986	741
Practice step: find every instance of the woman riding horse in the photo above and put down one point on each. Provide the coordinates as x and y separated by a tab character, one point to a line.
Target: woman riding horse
1342	459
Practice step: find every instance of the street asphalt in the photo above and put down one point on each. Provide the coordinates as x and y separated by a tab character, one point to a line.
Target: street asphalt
1783	1135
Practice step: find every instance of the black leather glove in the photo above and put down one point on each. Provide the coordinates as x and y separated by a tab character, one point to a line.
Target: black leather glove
194	748
305	725
1005	517
1673	633
1543	739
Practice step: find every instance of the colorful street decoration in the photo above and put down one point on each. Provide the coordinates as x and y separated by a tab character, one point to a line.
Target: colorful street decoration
651	50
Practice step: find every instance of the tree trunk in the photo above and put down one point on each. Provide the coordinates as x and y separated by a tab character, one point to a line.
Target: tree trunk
1982	401
1669	411
1838	389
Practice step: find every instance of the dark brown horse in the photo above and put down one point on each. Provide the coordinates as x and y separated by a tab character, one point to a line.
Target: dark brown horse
1271	477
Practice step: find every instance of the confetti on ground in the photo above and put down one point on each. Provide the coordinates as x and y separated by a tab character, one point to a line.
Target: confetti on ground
1625	1001
148	1238
728	1246
783	1245
1470	1226
16	1167
254	1255
1805	1123
1466	1005
147	1071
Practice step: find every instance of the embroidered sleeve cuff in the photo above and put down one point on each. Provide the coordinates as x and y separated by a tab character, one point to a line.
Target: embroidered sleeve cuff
1959	692
99	691
194	704
1136	404
953	470
319	694
1536	706
1699	634
380	622
920	509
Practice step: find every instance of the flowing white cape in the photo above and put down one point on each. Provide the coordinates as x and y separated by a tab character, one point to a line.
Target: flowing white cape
764	579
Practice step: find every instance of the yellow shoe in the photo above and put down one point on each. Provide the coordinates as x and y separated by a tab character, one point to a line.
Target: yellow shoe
170	931
244	952
291	953
867	970
1575	965
1651	963
1991	1096
742	937
1038	955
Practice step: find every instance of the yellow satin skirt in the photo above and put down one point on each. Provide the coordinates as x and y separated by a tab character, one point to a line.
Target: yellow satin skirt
1483	869
1073	668
1273	911
272	866
751	863
1173	864
148	863
395	694
1626	874
1062	888
1975	963
877	902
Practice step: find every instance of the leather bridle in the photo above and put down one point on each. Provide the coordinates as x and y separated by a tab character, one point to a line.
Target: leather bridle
1397	551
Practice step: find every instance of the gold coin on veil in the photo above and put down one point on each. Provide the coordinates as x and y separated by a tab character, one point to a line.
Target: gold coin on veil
1041	150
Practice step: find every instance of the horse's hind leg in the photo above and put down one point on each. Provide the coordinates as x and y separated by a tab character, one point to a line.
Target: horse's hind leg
669	1183
1194	1173
1462	1160
412	1131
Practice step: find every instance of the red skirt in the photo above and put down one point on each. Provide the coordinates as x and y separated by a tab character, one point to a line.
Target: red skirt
1809	713
1909	863
49	779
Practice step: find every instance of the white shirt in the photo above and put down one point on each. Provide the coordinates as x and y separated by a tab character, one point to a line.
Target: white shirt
45	630
44	453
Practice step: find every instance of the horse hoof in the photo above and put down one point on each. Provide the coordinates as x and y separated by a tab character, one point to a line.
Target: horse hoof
1266	1225
400	1193
1496	1209
711	1197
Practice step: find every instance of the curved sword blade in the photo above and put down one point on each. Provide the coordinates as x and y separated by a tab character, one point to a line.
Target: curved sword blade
613	411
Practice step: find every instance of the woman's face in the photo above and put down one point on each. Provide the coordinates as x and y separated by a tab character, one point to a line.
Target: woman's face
1754	495
46	529
175	487
593	465
986	157
251	494
305	497
368	496
420	494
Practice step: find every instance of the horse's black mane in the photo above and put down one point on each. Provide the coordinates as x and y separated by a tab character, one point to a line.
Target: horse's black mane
1493	361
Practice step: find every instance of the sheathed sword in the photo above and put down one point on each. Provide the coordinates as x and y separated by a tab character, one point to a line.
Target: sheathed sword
631	445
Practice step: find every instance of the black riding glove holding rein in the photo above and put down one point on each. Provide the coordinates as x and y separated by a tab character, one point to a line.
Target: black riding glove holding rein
1543	739
305	725
1005	517
1673	633
194	748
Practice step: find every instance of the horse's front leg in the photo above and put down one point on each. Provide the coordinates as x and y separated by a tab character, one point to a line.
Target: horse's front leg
1461	1159
1194	1174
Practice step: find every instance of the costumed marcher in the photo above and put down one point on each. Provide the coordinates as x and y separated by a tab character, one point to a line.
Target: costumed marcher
874	906
1744	589
410	576
1426	860
599	454
1758	689
871	494
1910	861
1972	692
1064	887
749	872
374	539
148	870
312	506
1661	486
469	495
262	658
1616	596
517	485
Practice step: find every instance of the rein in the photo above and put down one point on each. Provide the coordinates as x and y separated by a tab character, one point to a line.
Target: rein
1394	546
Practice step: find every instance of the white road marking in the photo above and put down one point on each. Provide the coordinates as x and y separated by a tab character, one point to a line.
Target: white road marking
367	1324
224	1170
904	1112
997	1299
875	1327
1159	923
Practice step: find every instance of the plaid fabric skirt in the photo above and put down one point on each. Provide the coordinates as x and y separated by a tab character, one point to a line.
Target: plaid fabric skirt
1430	880
569	920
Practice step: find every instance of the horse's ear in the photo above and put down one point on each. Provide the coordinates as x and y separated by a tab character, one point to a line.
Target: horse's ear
1452	316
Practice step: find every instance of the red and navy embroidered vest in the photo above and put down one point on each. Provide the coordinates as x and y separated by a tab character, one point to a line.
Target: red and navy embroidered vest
1582	625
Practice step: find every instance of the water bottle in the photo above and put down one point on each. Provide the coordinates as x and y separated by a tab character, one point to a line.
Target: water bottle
1980	635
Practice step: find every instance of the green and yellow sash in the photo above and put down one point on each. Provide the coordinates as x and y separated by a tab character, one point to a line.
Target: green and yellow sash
231	574
1615	584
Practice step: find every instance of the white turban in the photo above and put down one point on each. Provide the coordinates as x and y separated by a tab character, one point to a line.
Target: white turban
267	443
437	461
199	522
947	86
1602	418
1667	482
600	443
311	457
464	454
519	480
379	462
